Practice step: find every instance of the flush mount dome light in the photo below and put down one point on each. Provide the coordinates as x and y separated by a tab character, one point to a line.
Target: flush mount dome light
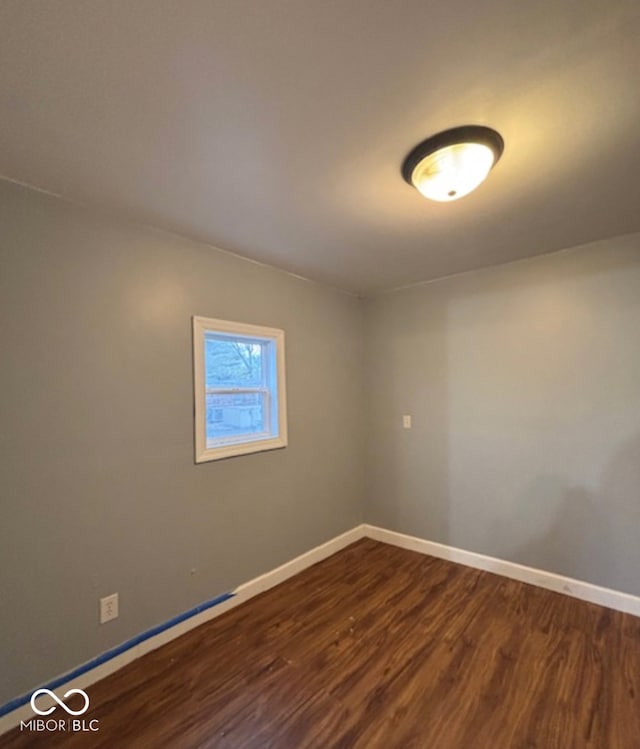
452	163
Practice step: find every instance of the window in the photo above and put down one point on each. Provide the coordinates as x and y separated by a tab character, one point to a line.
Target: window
240	402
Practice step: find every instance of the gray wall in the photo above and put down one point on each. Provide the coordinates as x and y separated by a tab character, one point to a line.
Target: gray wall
524	386
99	488
522	381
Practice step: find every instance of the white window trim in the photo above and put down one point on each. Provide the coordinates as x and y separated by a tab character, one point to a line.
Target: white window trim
202	325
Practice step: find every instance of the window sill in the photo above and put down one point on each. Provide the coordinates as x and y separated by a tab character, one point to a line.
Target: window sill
244	448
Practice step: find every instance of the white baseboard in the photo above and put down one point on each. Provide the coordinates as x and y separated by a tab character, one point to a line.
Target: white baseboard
242	593
612	599
289	569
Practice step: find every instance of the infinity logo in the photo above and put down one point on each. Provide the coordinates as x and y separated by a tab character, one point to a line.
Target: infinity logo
54	697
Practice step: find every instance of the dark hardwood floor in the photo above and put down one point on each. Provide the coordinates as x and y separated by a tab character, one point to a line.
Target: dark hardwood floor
377	647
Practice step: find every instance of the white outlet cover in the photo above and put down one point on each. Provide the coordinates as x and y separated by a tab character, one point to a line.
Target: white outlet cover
108	608
406	421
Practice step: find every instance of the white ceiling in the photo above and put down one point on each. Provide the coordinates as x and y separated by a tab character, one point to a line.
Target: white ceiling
276	129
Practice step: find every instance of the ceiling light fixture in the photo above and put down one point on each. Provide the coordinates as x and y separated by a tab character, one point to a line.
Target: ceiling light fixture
452	163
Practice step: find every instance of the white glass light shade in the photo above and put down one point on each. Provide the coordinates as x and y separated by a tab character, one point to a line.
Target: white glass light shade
454	171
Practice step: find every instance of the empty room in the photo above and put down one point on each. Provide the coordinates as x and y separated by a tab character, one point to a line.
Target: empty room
320	376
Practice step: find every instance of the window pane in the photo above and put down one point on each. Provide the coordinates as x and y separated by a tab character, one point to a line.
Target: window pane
234	414
233	363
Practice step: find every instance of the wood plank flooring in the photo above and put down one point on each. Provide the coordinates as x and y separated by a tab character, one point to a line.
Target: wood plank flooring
380	648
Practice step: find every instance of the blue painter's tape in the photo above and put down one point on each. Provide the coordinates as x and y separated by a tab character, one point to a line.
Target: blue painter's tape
100	659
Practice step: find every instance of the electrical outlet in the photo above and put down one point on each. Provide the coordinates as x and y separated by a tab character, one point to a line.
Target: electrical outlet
108	608
406	421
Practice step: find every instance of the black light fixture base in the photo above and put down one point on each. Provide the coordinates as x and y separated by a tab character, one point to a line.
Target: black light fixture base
464	134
